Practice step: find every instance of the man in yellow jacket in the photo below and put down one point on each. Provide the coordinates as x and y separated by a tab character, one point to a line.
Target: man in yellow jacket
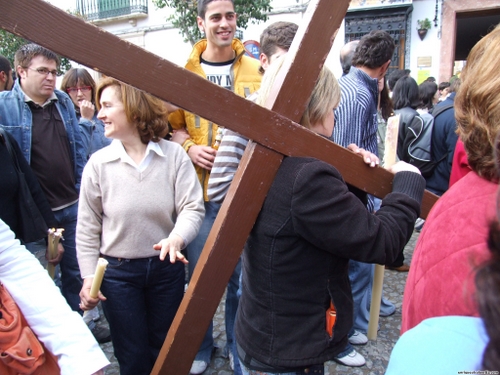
221	59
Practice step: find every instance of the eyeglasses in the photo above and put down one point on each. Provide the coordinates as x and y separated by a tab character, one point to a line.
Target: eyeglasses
70	90
46	72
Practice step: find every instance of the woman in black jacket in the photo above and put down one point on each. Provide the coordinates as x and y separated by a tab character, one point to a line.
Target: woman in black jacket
405	100
296	257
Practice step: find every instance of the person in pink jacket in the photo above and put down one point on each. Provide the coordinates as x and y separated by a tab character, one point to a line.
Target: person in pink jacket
453	241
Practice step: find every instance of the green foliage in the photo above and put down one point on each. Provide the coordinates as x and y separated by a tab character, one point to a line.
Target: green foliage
186	11
424	24
10	43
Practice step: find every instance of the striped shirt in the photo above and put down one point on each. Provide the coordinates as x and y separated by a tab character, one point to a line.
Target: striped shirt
356	115
225	165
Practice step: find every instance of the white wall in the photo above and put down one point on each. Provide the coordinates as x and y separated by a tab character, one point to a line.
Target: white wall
430	46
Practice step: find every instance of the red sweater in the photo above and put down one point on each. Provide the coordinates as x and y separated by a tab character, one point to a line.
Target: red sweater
452	243
460	166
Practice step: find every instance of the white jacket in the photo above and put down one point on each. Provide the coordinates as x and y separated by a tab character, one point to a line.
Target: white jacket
61	330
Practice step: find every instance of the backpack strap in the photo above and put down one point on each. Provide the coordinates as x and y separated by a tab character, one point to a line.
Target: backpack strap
437	111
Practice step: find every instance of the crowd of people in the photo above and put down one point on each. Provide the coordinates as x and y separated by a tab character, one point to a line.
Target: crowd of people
87	148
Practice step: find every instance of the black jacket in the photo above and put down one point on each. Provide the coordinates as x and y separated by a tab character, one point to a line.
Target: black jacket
297	253
9	206
406	116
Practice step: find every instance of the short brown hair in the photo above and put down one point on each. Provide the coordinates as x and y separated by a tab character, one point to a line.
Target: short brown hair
148	113
374	49
277	35
75	75
202	7
477	105
28	52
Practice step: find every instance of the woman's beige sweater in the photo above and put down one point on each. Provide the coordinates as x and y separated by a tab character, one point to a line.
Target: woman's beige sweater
123	212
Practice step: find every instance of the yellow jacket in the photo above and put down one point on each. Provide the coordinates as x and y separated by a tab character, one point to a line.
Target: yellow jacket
245	80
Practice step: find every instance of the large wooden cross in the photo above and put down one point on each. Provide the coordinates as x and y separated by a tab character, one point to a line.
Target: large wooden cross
275	134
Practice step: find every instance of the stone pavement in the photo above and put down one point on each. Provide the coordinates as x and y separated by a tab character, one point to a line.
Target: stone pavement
376	352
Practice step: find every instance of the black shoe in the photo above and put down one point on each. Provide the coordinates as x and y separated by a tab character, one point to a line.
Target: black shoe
101	334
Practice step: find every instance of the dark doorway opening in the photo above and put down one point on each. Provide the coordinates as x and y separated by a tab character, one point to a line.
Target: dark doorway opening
471	27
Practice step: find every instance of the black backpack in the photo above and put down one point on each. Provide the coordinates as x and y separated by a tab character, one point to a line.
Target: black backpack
419	141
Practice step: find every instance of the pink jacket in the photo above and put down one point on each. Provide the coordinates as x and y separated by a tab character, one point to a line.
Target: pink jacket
451	245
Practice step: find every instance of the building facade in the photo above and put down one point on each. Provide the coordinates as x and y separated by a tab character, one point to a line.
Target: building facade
455	26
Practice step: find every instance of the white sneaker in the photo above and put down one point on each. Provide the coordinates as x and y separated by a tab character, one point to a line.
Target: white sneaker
352	359
198	367
231	361
358	338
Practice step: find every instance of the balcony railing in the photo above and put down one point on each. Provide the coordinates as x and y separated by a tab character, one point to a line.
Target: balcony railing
96	10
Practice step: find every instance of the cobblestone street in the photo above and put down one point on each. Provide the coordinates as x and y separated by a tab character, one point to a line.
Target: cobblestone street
376	352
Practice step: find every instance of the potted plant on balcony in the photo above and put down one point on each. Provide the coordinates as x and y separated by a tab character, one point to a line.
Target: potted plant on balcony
423	26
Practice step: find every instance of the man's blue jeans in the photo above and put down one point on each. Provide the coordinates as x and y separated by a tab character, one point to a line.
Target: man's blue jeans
143	296
70	271
194	251
361	279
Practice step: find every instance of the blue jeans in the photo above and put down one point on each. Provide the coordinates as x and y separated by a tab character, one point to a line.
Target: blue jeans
316	369
70	271
361	278
194	251
143	296
237	367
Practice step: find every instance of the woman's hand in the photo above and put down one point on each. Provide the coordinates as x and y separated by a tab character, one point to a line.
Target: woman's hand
58	258
401	166
172	246
371	159
86	301
87	110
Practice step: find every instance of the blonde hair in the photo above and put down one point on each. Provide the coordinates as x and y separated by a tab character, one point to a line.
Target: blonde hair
324	97
477	105
148	113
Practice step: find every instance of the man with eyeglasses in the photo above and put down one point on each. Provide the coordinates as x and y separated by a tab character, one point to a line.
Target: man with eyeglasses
43	122
6	80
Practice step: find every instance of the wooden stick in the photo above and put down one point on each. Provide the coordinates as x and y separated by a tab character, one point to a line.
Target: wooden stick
391	144
53	241
378	283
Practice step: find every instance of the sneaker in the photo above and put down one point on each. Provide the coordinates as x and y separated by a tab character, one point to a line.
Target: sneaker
352	359
101	334
198	367
231	361
358	338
